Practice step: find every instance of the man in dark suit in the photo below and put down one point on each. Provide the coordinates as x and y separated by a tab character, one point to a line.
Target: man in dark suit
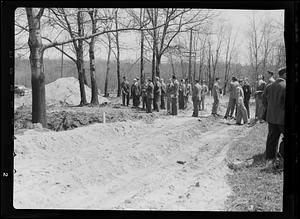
125	91
274	102
196	98
247	95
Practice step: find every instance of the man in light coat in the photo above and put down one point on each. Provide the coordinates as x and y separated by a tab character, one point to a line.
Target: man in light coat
170	90
203	95
216	96
196	97
174	95
163	94
232	98
241	109
150	95
157	94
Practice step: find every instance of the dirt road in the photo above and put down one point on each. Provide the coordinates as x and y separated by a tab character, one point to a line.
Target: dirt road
174	163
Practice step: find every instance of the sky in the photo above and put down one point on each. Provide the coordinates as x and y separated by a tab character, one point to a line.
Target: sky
239	19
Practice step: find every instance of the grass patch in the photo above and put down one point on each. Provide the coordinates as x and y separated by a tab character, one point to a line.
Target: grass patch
253	189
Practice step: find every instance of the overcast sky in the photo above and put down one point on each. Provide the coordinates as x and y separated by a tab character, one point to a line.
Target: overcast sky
239	19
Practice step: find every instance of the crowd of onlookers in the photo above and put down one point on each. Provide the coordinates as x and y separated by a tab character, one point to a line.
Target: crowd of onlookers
269	101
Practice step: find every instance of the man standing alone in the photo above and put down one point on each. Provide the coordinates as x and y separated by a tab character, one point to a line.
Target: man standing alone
196	98
216	96
125	91
274	102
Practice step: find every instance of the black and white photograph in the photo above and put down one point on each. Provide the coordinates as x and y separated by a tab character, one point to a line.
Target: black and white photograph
152	109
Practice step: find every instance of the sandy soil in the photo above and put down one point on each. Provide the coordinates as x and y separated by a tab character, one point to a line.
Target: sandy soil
127	165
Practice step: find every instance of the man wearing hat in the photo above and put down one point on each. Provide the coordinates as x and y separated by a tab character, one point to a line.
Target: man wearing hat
241	111
232	97
271	78
157	94
247	95
259	108
216	96
125	91
163	94
274	102
203	94
150	95
133	94
174	96
196	97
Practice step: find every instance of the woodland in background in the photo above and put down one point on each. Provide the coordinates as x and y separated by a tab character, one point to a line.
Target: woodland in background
129	69
196	43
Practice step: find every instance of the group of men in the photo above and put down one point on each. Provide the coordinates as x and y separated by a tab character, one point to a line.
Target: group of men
151	93
171	96
269	101
239	97
269	106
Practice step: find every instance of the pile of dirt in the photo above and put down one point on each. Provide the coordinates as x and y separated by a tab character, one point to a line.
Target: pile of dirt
63	91
61	118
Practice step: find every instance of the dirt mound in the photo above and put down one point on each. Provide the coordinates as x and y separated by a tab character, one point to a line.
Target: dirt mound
63	91
61	118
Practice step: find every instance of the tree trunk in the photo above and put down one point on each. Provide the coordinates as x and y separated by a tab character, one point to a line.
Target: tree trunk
153	60
79	66
38	87
107	67
36	65
118	55
142	78
158	60
94	99
190	56
80	62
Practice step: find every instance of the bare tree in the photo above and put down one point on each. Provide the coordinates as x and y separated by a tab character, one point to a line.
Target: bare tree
176	21
106	94
255	44
36	63
118	53
93	16
230	48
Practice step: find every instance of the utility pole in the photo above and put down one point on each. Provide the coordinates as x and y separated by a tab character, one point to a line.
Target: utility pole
190	57
62	61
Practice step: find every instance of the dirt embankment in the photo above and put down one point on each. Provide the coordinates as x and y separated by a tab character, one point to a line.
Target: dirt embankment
174	163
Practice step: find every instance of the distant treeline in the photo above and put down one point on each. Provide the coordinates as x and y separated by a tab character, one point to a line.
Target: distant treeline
129	69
